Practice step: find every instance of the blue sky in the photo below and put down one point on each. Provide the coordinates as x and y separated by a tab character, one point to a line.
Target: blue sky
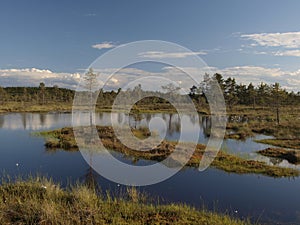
245	39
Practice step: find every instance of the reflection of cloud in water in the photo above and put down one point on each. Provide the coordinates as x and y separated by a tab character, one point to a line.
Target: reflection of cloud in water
33	121
276	162
39	121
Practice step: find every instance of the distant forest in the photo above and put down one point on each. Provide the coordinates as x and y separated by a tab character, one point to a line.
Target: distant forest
262	95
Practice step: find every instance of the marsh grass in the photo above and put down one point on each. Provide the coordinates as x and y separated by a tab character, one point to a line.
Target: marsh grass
238	131
64	139
263	121
38	200
34	107
284	143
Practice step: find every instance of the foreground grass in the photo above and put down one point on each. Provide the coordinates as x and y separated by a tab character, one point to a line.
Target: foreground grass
40	201
64	139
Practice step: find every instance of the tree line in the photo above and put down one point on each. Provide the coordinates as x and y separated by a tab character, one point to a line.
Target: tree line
262	95
37	95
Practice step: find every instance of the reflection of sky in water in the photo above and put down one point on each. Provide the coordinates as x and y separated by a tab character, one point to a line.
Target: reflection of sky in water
162	123
172	127
33	121
254	196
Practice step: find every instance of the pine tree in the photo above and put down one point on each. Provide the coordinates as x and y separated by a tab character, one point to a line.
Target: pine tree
90	84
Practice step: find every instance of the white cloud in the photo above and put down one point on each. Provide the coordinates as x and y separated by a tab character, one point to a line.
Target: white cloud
286	40
161	55
130	77
243	74
251	71
250	74
34	76
32	71
256	74
104	45
295	52
260	53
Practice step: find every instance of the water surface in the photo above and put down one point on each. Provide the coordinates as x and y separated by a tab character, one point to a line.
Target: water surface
255	196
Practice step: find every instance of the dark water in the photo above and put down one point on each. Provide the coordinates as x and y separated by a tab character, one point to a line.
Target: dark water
268	200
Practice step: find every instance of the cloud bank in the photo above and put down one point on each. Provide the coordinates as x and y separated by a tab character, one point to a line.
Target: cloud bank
33	77
286	40
289	80
295	53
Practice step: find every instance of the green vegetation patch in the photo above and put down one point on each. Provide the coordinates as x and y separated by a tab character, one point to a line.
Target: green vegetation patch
64	139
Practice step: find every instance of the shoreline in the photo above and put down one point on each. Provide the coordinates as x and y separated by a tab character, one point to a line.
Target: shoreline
259	121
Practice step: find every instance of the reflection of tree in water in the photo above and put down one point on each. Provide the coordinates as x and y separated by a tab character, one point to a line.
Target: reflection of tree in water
135	118
173	123
172	120
148	117
91	175
119	118
100	116
24	120
164	117
206	124
194	118
56	117
170	123
1	121
42	119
